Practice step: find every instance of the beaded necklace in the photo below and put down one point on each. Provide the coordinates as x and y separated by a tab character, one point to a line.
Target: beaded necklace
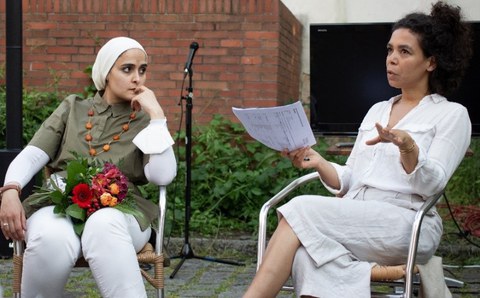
116	137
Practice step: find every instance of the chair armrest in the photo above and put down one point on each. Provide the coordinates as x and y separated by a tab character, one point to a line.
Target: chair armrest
412	250
18	248
162	203
281	195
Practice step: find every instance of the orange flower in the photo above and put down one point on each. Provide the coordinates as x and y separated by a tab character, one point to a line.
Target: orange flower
114	189
113	202
108	200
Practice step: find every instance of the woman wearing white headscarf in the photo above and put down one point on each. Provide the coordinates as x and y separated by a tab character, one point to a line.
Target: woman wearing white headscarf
94	128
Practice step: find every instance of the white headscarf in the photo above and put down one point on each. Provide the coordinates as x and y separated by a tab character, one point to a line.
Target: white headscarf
107	56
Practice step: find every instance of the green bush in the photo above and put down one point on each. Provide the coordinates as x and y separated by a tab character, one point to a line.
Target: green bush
232	176
37	106
464	186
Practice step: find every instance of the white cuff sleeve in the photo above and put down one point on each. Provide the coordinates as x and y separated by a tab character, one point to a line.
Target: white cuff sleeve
26	165
161	168
155	138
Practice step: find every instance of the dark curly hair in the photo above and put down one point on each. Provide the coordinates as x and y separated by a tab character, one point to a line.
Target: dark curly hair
445	36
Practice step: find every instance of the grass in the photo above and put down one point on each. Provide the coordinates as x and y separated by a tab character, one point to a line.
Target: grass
82	277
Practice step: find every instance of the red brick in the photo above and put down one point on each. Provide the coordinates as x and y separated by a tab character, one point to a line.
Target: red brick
231	43
79	75
62	50
40	26
211	85
262	35
251	60
230	60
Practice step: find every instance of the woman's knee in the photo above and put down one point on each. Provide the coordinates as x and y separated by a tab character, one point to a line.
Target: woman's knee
104	222
105	225
51	234
46	226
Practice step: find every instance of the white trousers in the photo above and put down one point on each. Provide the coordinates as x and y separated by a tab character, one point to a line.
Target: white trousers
109	243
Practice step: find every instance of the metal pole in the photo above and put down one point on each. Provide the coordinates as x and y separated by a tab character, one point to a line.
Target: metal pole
13	77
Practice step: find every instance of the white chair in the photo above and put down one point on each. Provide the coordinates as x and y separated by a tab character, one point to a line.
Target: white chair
402	278
148	255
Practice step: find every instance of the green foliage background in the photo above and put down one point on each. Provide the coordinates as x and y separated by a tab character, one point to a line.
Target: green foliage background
37	106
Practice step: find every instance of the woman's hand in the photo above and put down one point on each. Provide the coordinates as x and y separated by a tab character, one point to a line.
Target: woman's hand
146	100
303	158
307	158
406	145
396	136
12	216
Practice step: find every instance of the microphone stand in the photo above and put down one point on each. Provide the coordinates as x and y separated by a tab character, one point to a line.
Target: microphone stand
187	252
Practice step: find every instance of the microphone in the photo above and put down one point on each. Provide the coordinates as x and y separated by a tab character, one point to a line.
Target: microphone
191	54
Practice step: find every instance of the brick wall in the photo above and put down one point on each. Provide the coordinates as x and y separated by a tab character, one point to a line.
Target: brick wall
249	51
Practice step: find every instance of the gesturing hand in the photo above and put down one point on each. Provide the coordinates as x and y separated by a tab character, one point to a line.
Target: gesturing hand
396	136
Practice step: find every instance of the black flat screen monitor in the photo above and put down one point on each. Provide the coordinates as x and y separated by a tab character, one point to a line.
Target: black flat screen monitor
348	75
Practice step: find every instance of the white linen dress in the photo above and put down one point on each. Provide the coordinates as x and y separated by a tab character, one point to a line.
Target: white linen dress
369	221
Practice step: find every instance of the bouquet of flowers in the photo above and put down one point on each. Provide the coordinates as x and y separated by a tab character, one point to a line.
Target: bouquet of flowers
85	189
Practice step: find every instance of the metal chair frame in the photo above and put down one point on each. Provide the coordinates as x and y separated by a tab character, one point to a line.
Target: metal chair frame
145	256
410	276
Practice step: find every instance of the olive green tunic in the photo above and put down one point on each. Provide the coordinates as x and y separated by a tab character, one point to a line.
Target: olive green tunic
63	134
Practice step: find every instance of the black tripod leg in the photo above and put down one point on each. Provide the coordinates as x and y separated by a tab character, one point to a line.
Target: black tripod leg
178	267
206	258
212	259
187	253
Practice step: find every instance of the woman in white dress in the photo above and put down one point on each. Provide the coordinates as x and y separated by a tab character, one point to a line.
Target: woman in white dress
406	150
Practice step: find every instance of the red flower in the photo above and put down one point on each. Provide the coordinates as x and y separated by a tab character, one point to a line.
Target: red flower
82	195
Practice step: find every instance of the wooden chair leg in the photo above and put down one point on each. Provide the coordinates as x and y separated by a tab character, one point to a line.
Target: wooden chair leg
17	268
148	256
17	274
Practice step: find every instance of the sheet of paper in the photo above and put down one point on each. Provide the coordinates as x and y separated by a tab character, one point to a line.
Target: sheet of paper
283	127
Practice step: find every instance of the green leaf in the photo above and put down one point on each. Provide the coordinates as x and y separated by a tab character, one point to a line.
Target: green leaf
78	228
76	212
57	197
59	210
128	205
74	172
256	191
